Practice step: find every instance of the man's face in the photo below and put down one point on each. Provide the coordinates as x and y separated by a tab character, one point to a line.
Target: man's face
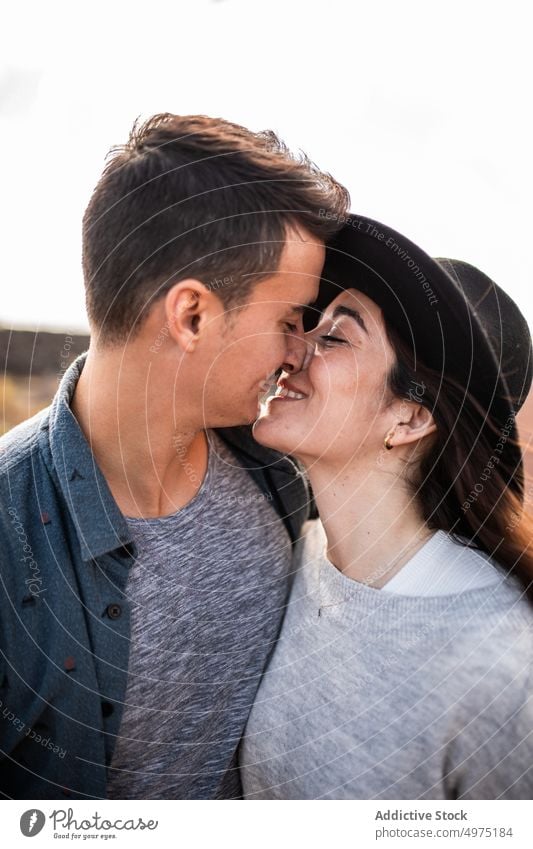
257	339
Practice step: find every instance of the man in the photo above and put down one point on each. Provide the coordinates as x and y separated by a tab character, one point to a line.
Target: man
146	537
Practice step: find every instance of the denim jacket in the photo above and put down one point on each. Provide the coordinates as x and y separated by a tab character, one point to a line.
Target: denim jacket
64	618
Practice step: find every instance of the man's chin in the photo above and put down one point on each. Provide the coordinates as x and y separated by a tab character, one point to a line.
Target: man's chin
238	418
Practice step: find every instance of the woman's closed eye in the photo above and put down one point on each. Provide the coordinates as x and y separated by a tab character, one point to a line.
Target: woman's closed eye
328	340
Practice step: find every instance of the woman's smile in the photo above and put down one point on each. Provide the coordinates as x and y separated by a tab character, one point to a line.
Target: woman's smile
286	392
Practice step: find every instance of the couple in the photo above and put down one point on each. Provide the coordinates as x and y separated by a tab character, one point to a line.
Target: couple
175	620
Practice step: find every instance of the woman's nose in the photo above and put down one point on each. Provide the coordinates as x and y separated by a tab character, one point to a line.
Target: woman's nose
298	354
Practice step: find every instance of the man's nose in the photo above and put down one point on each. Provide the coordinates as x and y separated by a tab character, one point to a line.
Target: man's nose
299	352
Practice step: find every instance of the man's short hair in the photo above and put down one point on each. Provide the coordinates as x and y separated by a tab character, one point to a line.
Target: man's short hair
195	197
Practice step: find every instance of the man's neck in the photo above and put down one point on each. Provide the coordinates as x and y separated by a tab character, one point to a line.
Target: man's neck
154	464
372	522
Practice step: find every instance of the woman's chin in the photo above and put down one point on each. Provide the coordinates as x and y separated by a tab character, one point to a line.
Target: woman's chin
272	434
265	433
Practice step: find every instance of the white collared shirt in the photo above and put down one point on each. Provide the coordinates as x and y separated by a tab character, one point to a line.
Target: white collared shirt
440	569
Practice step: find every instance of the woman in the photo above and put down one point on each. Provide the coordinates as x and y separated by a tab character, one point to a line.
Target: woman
403	669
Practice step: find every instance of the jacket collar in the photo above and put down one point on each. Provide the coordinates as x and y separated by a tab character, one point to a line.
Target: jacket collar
100	525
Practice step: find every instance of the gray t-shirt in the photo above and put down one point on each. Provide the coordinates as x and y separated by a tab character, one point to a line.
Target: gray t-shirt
208	592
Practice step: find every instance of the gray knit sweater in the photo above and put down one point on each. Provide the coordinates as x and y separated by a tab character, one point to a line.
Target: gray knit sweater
389	696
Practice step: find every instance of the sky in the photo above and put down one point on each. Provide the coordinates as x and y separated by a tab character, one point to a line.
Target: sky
421	109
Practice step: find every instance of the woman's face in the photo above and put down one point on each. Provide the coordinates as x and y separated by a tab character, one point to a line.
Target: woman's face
341	405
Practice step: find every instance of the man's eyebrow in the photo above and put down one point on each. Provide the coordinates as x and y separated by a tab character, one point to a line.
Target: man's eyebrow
351	313
298	308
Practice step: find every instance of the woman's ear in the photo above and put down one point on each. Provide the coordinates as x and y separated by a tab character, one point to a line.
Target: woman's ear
188	309
416	423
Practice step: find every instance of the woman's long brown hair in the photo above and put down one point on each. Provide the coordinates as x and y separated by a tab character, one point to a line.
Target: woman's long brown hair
468	481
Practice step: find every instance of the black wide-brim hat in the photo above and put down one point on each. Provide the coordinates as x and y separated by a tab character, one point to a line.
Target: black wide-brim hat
456	319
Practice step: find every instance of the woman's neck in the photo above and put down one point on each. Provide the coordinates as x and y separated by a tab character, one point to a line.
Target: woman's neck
372	521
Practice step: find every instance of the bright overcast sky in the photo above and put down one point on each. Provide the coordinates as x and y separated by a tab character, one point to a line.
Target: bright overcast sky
421	108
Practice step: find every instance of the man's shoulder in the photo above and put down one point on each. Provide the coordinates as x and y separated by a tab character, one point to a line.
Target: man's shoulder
20	443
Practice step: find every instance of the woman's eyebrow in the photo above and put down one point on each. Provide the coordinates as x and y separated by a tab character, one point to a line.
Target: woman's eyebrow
351	313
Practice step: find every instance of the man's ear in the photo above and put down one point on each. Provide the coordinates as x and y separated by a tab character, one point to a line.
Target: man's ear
189	307
414	424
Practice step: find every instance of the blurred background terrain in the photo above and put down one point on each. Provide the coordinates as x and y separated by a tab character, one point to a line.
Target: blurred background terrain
33	363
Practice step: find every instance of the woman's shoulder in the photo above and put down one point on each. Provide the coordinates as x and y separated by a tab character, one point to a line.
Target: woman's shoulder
505	592
491	620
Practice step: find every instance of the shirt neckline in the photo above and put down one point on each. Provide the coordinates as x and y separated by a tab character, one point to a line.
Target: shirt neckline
444	567
194	505
333	591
